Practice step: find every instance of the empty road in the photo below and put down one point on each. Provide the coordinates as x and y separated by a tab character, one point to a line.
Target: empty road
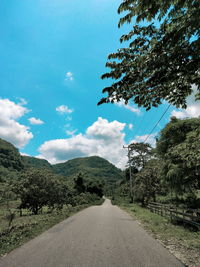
99	236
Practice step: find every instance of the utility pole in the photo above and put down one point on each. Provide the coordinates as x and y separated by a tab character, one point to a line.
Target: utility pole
130	174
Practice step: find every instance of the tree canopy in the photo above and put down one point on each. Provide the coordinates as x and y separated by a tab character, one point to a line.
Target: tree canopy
139	154
38	188
162	61
170	172
179	147
10	157
147	182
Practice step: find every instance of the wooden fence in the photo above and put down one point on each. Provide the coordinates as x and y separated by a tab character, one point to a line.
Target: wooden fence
189	216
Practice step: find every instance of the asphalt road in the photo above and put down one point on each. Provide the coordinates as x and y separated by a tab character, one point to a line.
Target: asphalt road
99	236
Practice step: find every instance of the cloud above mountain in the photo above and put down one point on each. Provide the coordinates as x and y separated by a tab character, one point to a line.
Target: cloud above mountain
102	138
10	129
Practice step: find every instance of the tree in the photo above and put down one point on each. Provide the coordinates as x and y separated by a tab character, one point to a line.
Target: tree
127	173
95	186
10	157
179	147
139	154
79	185
147	182
59	193
162	61
38	188
87	185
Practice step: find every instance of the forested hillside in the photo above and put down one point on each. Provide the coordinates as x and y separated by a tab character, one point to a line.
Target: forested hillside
36	162
92	167
9	156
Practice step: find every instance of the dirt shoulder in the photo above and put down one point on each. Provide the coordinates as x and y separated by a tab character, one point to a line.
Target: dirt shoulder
182	242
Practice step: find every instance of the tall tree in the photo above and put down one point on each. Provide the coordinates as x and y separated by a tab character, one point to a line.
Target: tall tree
139	154
162	60
179	146
147	182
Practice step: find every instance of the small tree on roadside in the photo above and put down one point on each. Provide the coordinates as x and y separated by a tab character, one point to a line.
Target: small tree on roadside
147	182
38	188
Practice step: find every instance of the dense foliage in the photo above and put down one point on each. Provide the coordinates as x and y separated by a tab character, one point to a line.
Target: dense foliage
38	188
147	183
162	60
10	157
35	162
93	168
92	186
171	170
179	147
37	184
139	154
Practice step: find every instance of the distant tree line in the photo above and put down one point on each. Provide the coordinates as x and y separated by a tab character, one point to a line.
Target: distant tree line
37	188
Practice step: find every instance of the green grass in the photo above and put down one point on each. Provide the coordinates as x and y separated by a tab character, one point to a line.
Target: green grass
29	226
182	242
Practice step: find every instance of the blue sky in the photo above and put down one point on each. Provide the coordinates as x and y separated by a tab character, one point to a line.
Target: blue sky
53	53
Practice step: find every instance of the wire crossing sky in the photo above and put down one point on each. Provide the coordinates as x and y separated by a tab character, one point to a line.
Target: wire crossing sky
53	53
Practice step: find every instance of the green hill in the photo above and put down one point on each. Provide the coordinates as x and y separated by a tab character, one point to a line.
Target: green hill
36	162
10	157
92	167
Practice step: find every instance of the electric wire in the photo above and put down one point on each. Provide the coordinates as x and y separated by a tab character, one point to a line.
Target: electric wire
157	123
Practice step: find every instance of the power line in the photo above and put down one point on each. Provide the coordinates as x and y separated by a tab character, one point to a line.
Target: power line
157	123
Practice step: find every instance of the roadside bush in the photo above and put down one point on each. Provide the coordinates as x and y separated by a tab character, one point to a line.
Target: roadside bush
85	198
38	188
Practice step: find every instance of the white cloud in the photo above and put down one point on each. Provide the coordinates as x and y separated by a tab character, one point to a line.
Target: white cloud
129	107
10	129
104	130
141	138
178	114
69	76
35	121
102	138
68	132
130	126
24	154
22	102
64	109
11	110
192	110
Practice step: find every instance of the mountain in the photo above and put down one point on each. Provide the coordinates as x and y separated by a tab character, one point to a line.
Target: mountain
93	167
36	162
10	157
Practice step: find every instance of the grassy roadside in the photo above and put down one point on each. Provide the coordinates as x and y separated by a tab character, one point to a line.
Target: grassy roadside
180	241
29	226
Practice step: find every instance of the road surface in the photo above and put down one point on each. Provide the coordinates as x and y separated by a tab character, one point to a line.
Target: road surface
99	236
